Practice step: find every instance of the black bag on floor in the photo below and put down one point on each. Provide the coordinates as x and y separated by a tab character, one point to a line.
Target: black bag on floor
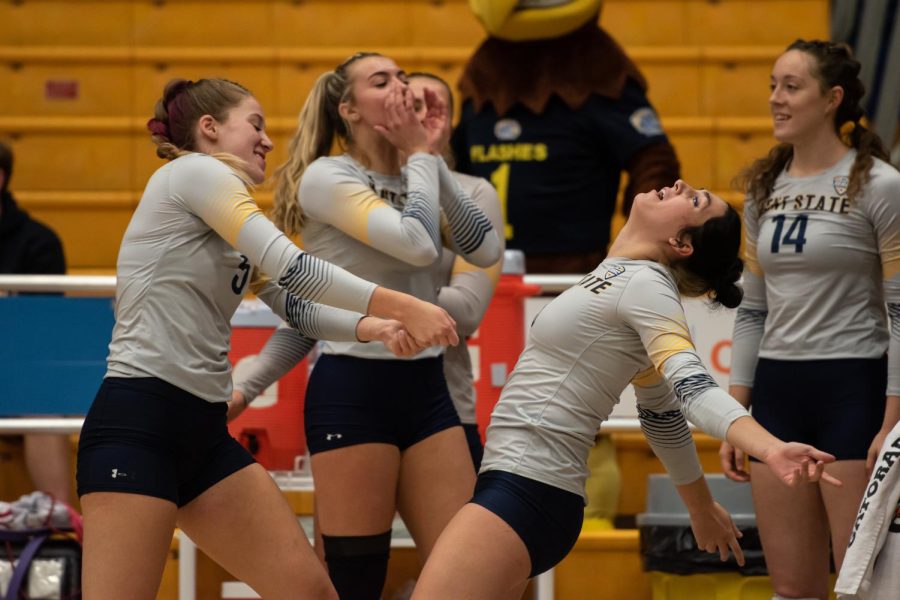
672	549
41	565
667	542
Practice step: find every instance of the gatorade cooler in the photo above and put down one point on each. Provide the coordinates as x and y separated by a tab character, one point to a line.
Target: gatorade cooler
272	426
500	339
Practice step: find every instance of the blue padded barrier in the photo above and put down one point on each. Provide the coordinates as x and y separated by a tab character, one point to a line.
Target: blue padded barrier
52	353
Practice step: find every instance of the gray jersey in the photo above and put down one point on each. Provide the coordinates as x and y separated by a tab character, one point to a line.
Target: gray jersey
391	229
819	271
184	265
466	294
623	323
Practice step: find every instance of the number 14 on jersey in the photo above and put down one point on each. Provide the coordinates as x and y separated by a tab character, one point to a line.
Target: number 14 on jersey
794	236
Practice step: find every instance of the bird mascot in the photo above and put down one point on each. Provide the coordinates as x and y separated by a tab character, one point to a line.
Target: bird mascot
553	112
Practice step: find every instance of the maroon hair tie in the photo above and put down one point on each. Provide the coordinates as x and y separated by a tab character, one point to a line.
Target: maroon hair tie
176	89
175	109
157	127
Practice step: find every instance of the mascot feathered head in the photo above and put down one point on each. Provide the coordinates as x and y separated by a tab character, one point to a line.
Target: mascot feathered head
541	48
518	20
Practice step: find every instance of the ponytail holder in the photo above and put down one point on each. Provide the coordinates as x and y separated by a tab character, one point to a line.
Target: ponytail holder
159	128
175	112
175	90
847	129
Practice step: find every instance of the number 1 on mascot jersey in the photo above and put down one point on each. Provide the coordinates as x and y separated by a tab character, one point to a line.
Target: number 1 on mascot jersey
500	180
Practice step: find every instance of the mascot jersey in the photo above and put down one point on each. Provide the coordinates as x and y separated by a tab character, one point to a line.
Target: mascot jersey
559	170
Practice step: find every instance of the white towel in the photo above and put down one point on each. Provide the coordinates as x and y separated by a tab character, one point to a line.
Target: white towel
871	569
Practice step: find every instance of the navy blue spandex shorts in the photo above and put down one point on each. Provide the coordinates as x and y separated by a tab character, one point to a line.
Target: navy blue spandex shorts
352	401
835	405
546	518
473	439
146	436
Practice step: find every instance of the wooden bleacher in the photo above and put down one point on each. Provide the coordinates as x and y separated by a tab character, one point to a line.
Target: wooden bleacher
79	80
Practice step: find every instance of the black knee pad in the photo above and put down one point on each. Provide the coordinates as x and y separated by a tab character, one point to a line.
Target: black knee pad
357	564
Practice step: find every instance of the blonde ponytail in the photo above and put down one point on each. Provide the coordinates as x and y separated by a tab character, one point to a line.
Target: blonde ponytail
313	138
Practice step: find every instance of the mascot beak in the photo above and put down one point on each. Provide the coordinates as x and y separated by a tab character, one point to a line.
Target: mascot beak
522	20
493	13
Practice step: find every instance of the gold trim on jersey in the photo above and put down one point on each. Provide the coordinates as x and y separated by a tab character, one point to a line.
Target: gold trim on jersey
360	201
666	345
647	378
230	214
890	264
461	265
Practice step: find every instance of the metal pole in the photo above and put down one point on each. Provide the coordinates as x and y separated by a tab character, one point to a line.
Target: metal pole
40	425
107	283
553	283
58	283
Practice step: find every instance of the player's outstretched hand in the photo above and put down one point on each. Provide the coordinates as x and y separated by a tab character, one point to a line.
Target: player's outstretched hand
798	464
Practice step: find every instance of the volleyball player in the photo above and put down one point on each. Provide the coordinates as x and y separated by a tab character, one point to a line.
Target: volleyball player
382	433
466	292
154	451
623	323
822	214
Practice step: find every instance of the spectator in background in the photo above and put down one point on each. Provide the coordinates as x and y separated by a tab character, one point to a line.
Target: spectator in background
28	247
